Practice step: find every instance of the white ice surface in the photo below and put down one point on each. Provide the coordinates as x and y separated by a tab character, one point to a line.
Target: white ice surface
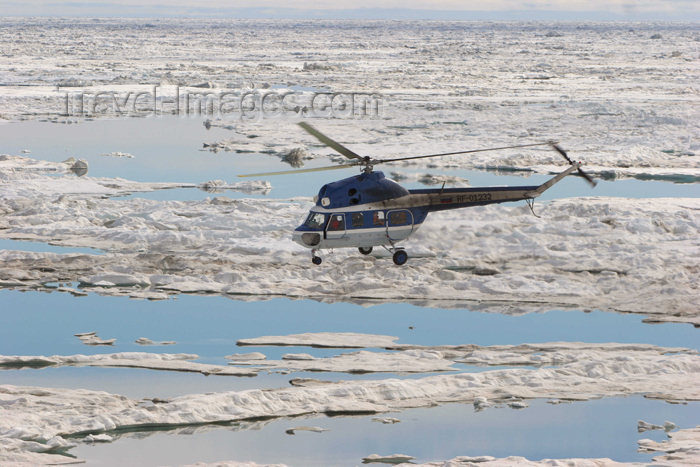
620	101
630	255
624	104
324	339
147	341
410	361
91	338
389	459
169	362
40	414
118	154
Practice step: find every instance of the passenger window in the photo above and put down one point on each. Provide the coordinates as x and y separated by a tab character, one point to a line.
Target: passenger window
378	218
358	220
398	218
337	222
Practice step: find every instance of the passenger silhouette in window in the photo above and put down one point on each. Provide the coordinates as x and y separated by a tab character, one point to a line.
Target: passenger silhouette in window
337	222
357	219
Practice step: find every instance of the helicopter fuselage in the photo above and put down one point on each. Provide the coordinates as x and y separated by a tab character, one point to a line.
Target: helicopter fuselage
371	210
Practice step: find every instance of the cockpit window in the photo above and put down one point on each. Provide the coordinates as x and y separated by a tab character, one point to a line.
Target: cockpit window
316	220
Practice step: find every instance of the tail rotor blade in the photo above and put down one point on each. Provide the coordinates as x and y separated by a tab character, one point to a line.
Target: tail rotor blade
587	177
581	173
558	148
329	142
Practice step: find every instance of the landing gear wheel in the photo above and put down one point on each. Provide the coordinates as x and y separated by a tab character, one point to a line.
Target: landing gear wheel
365	250
400	257
316	260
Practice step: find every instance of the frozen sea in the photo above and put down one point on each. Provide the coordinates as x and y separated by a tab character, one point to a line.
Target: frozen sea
609	93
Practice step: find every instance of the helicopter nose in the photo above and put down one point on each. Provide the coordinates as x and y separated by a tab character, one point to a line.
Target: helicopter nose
307	239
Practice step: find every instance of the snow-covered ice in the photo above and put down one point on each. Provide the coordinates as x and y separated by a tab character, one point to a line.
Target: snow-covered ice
147	341
617	254
643	426
617	99
91	338
324	339
314	429
152	361
613	95
118	154
603	371
389	459
410	361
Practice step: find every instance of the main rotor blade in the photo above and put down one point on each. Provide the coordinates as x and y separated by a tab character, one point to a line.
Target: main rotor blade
329	142
298	171
458	152
581	173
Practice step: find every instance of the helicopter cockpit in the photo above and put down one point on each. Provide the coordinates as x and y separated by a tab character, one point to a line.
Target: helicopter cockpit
315	221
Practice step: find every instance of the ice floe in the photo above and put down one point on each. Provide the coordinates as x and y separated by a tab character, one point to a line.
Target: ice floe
119	154
253	186
682	447
147	341
386	420
314	429
152	361
91	338
603	371
643	426
390	459
246	357
410	361
324	339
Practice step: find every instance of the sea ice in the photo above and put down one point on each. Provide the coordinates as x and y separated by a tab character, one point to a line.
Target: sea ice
125	155
91	338
386	420
603	371
391	459
613	254
315	429
167	362
348	340
147	341
245	357
410	361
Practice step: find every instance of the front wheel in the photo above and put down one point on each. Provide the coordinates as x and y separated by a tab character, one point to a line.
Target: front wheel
316	260
365	250
400	257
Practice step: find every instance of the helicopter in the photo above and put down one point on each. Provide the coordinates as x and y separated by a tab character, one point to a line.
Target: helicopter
369	209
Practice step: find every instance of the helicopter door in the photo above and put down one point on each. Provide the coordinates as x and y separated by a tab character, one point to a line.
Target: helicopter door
335	227
399	218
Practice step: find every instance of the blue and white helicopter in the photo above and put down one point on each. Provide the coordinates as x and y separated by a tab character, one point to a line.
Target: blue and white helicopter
369	210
